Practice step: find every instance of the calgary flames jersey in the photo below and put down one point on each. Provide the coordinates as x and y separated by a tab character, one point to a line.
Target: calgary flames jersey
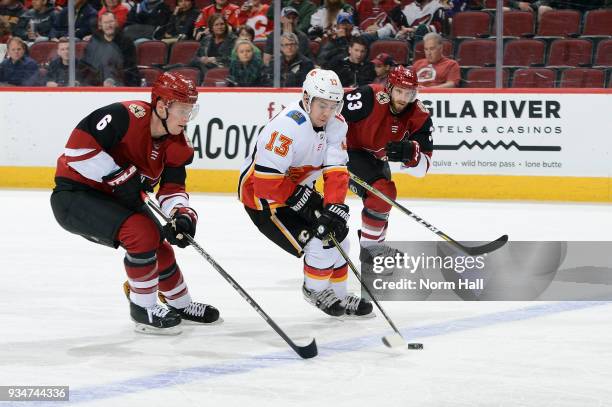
117	136
371	124
290	152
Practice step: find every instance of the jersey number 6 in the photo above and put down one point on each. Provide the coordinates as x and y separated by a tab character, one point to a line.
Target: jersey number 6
285	142
355	103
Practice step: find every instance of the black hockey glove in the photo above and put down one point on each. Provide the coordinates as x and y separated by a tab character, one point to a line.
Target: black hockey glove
184	221
405	151
306	201
126	185
333	220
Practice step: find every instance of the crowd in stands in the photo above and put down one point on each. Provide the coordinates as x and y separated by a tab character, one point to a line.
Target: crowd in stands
449	43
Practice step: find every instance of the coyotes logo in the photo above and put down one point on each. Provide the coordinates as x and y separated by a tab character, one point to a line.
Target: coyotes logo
137	111
382	97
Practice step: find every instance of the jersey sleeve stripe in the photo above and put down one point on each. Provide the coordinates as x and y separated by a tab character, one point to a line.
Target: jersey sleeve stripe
94	168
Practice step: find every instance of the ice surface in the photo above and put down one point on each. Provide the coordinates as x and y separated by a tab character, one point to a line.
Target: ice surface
64	321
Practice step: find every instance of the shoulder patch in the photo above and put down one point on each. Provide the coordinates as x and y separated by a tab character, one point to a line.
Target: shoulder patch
137	110
297	116
382	97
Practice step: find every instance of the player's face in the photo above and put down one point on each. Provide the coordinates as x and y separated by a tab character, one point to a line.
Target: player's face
400	97
321	111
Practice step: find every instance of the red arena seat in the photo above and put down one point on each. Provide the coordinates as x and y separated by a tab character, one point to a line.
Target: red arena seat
534	78
573	52
582	78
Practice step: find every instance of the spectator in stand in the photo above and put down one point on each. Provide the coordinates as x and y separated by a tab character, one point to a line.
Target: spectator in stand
435	70
419	18
304	8
146	17
57	73
246	68
5	35
254	14
289	23
337	44
373	12
354	70
294	66
215	48
323	20
181	24
36	24
110	58
85	18
246	32
118	9
454	6
542	6
10	11
228	10
18	69
382	65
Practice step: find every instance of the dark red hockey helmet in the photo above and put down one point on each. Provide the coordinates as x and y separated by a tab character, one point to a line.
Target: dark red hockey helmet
401	77
173	87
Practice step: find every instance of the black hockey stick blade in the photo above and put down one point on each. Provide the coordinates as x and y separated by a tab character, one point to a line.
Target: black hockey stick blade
486	248
308	351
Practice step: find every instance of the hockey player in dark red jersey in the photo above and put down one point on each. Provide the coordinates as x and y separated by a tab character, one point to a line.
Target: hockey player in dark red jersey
114	154
386	123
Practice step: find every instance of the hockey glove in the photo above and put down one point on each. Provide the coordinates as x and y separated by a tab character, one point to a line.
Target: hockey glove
183	222
333	219
126	185
405	151
306	201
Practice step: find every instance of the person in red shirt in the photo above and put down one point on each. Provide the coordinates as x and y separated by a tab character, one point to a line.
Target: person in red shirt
116	7
228	10
435	70
386	123
111	157
254	14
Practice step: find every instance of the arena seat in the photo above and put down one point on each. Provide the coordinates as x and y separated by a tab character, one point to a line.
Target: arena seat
43	51
484	78
517	24
471	24
570	52
603	55
582	78
397	49
150	53
476	53
559	23
598	23
524	52
534	78
150	74
216	77
183	52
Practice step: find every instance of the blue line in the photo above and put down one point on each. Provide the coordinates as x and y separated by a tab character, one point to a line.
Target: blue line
200	373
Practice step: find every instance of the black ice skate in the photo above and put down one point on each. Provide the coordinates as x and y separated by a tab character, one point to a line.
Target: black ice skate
325	300
357	307
157	320
198	312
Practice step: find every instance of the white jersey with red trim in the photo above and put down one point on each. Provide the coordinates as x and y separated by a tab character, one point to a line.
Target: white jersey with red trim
290	152
431	14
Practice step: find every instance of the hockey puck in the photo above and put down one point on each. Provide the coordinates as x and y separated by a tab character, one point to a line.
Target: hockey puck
415	346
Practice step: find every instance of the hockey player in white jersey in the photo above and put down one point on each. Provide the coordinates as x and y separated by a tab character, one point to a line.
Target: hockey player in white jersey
277	188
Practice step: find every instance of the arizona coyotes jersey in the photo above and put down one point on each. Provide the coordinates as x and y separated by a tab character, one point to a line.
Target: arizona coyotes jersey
117	136
290	152
371	124
432	15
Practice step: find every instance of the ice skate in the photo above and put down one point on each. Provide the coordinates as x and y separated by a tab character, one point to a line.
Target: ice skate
368	254
156	320
325	300
357	307
198	313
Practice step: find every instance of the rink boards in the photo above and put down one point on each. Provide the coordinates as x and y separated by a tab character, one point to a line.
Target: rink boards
519	144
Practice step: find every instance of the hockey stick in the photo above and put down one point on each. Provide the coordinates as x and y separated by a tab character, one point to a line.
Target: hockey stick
392	341
305	352
472	251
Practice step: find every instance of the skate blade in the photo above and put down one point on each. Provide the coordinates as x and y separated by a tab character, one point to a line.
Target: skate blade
151	330
358	317
194	323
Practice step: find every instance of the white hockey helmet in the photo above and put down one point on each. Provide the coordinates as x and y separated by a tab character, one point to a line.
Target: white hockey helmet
324	84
